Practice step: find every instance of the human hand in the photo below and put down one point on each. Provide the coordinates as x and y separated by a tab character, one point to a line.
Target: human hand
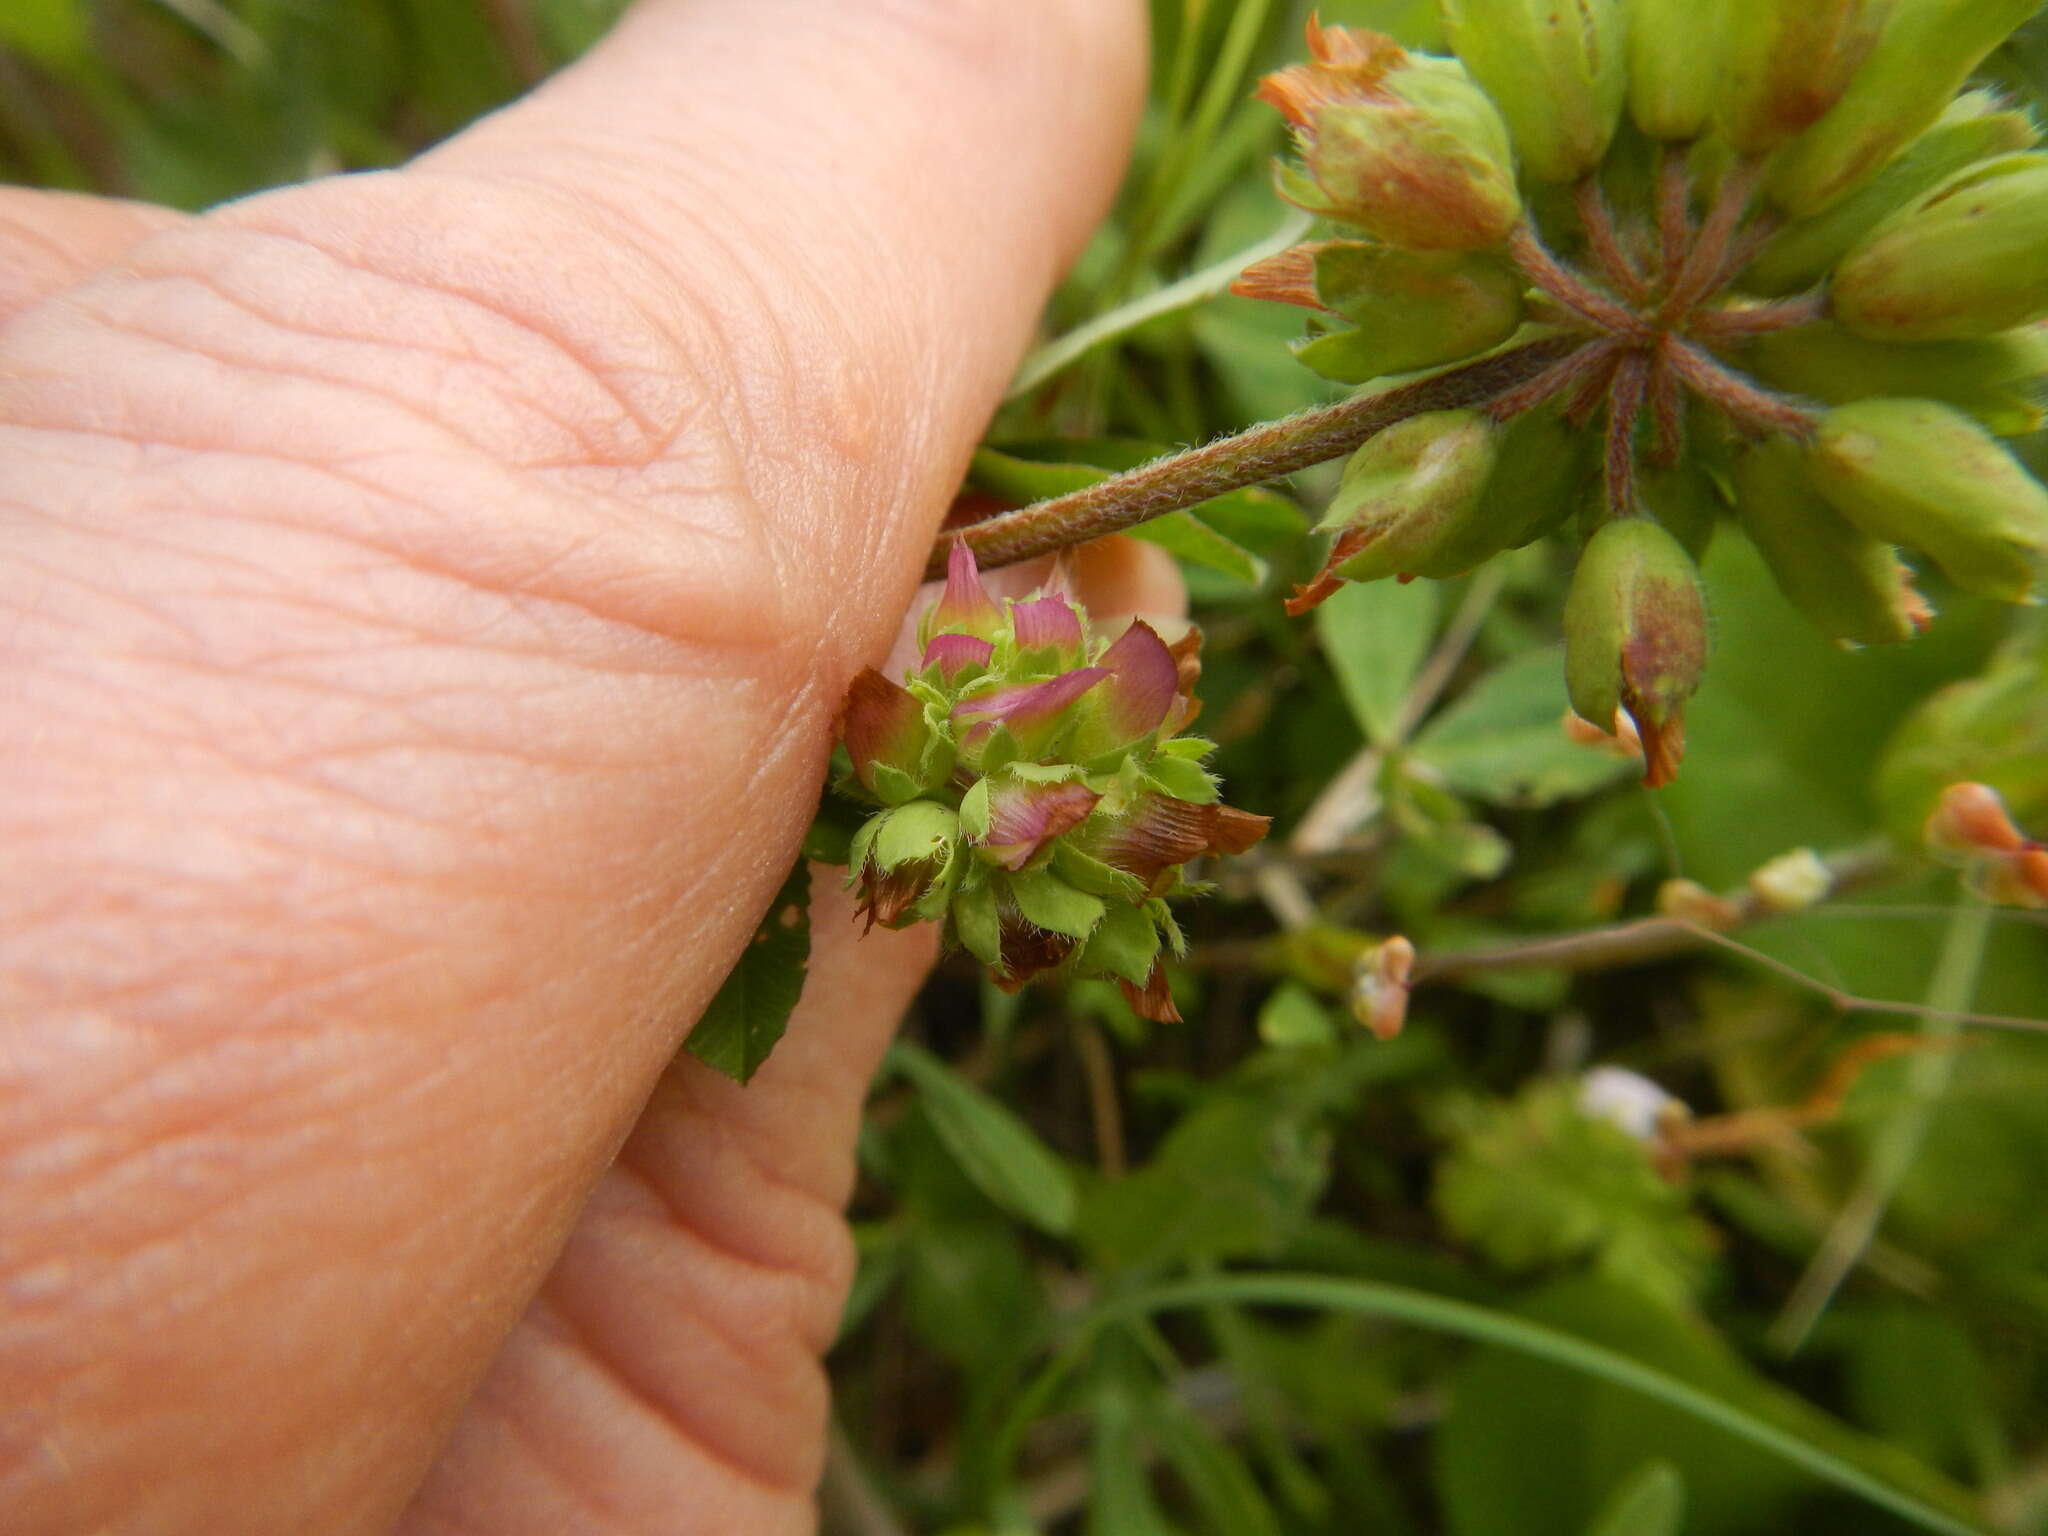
424	600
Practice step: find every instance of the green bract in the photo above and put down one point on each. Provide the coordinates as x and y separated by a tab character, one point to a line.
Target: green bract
1035	795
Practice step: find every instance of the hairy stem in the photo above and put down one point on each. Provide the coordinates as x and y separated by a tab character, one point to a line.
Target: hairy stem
1527	249
1706	263
1604	241
1265	452
1749	406
1631	378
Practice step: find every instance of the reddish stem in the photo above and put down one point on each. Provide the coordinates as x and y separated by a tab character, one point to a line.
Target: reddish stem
1590	358
1667	413
1711	325
1579	409
1555	279
1752	408
1674	209
1701	272
1604	241
1624	404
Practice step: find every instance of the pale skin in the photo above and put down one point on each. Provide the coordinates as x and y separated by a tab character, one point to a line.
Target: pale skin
424	601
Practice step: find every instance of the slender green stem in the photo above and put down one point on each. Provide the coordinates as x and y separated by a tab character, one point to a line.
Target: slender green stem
1191	290
1949	996
1263	453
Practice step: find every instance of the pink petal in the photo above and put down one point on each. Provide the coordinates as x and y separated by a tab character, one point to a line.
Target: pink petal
1162	832
954	654
1144	681
881	723
1048	621
1023	817
964	608
1032	711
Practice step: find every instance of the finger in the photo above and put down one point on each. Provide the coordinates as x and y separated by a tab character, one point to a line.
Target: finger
676	1344
50	240
427	602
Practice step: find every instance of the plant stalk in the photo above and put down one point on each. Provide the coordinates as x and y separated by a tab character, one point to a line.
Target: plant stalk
1265	452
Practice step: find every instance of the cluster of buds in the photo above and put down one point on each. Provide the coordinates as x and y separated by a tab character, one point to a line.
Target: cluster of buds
1969	828
1034	794
1767	265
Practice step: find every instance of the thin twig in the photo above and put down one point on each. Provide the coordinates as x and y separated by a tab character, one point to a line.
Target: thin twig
1703	269
1667	413
1674	209
1265	452
1948	999
1712	325
1558	377
1104	1112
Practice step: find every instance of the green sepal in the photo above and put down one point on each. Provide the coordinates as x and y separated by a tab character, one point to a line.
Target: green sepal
892	785
1052	904
1806	250
921	830
1294	185
1847	584
1183	779
998	749
1194	748
976	921
1417	488
1087	873
1125	943
1413	309
974	811
1169	928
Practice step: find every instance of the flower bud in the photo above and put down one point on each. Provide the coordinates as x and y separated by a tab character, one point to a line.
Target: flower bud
1412	309
1806	250
1970	822
1968	259
1404	493
1926	51
904	863
1558	73
1635	631
1674	65
1791	882
1920	474
1788	62
1849	585
1996	379
1402	145
1379	986
1688	901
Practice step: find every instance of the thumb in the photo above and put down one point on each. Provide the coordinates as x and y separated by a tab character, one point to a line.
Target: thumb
428	598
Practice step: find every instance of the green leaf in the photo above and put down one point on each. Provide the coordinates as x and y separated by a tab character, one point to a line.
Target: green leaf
1181	778
993	1147
1375	636
1293	1017
1650	1503
1184	535
1504	742
752	1007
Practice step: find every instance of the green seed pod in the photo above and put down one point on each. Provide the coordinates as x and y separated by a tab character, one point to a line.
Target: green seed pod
1921	60
1407	492
1539	478
1413	309
1788	62
1635	637
1968	259
1849	585
1559	74
1806	250
1404	146
1674	65
1996	379
1920	474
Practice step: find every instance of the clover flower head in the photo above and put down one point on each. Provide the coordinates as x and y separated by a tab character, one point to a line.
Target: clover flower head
1032	790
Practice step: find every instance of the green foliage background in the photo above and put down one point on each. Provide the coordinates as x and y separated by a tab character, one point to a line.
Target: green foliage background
1260	1273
